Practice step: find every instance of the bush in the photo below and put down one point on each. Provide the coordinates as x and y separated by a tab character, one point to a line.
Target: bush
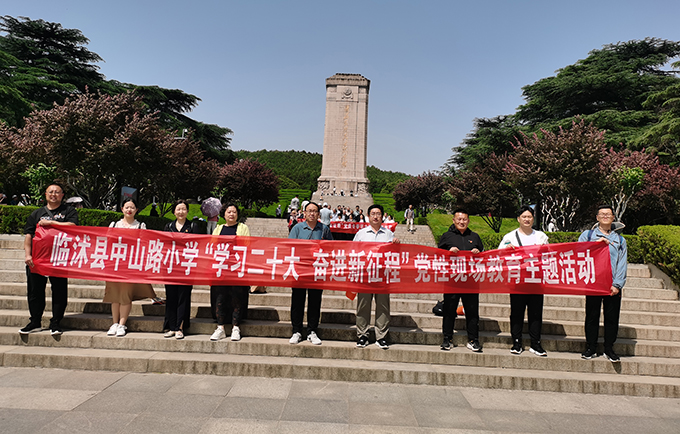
420	221
635	253
661	247
563	237
95	217
254	213
635	256
13	218
491	240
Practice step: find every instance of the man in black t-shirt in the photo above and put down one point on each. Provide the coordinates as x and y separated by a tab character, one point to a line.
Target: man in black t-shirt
54	213
460	238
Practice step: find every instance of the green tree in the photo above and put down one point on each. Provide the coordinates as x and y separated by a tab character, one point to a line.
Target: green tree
623	88
617	77
637	183
60	52
249	183
561	171
301	167
424	192
484	191
664	136
42	63
383	181
99	144
495	135
39	176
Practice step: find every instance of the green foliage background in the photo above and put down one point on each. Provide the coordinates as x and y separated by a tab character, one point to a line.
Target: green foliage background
661	247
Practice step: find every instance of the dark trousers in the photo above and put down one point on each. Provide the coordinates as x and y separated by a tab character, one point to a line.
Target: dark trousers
36	284
612	309
229	303
177	307
471	306
297	309
244	302
533	303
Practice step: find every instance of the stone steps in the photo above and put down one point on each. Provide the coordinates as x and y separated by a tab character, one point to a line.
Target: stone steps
566	337
336	309
603	378
402	353
649	339
399	302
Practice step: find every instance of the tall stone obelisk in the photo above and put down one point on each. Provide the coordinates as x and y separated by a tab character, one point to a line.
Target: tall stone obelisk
345	133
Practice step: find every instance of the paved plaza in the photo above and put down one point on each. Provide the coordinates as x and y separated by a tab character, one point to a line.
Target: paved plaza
36	400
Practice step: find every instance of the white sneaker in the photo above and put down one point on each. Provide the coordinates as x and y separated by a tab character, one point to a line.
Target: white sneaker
113	330
235	333
218	334
296	338
169	334
179	334
313	338
121	331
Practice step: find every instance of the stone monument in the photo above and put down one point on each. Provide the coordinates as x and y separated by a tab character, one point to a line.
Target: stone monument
344	144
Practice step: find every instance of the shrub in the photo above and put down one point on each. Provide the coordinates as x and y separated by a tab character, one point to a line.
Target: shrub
13	218
491	240
254	213
635	256
661	246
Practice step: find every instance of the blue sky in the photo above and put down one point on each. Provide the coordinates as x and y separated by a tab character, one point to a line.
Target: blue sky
259	66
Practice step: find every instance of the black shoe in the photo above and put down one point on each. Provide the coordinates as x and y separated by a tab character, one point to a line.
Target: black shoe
446	344
56	330
382	343
362	342
517	348
475	346
611	356
588	354
30	328
538	350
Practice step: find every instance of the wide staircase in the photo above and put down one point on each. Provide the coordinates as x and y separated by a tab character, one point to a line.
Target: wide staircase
649	339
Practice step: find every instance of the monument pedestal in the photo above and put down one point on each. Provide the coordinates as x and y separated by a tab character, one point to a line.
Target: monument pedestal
364	201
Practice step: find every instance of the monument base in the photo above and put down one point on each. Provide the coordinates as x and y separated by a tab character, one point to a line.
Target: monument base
364	201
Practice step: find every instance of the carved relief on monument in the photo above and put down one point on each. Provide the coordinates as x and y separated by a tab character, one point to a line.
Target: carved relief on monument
345	127
362	187
324	186
347	94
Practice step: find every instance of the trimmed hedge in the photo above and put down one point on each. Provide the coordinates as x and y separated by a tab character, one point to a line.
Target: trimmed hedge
13	218
661	247
635	256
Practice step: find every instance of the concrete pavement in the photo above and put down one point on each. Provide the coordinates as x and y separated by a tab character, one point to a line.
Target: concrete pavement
34	400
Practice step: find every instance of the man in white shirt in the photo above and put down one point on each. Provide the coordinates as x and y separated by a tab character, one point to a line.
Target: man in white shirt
325	214
375	232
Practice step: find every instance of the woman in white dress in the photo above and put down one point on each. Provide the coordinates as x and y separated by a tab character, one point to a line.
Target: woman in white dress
122	294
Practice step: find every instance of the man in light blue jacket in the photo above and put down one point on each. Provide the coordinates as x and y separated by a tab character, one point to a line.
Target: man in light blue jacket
605	231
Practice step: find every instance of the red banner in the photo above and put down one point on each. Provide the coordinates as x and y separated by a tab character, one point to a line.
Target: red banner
146	256
353	227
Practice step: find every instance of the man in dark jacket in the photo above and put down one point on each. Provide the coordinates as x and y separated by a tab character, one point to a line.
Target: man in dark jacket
55	213
460	238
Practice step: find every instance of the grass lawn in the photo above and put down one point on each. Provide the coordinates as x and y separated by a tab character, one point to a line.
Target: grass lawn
439	223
